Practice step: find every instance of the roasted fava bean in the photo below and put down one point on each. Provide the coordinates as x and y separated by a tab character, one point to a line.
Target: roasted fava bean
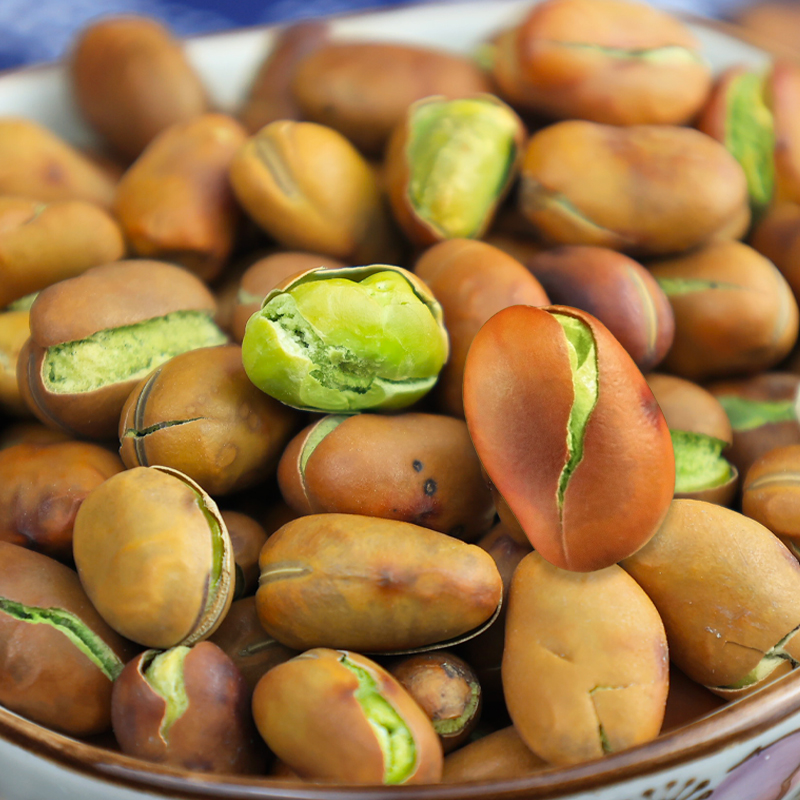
38	164
346	340
308	187
187	707
363	89
734	311
585	667
302	708
270	98
447	690
569	434
501	755
58	659
609	61
248	645
94	337
626	188
132	80
777	237
420	468
700	431
705	565
199	414
43	243
472	280
41	489
771	494
343	580
155	522
617	290
175	203
474	143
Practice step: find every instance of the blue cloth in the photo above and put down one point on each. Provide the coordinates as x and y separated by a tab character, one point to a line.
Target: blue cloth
42	30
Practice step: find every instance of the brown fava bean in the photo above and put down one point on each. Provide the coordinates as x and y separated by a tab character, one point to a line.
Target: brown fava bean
247	539
41	244
248	645
199	414
626	188
362	89
302	707
41	489
310	189
95	336
617	290
734	312
689	407
38	164
472	281
267	273
344	580
585	667
501	755
131	80
30	433
447	690
608	61
175	203
419	468
187	707
771	494
270	97
58	658
474	143
569	434
155	522
705	565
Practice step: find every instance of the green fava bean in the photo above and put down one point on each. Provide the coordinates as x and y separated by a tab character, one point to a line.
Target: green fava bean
346	340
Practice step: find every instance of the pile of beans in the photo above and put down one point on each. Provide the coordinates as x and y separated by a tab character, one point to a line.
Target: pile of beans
428	420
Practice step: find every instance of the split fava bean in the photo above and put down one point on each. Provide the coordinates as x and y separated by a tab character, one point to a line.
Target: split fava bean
569	434
302	707
344	580
187	707
346	340
58	658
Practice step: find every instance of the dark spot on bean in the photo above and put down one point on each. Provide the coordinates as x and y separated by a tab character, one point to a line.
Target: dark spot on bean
430	487
457	532
417	466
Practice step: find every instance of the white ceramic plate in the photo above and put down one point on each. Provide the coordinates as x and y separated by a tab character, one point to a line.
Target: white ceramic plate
762	732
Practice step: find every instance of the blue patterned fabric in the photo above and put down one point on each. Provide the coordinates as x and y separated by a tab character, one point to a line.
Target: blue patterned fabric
42	30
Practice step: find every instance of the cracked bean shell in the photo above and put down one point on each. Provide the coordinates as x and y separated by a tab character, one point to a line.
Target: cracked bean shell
419	468
585	667
569	433
376	585
727	589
